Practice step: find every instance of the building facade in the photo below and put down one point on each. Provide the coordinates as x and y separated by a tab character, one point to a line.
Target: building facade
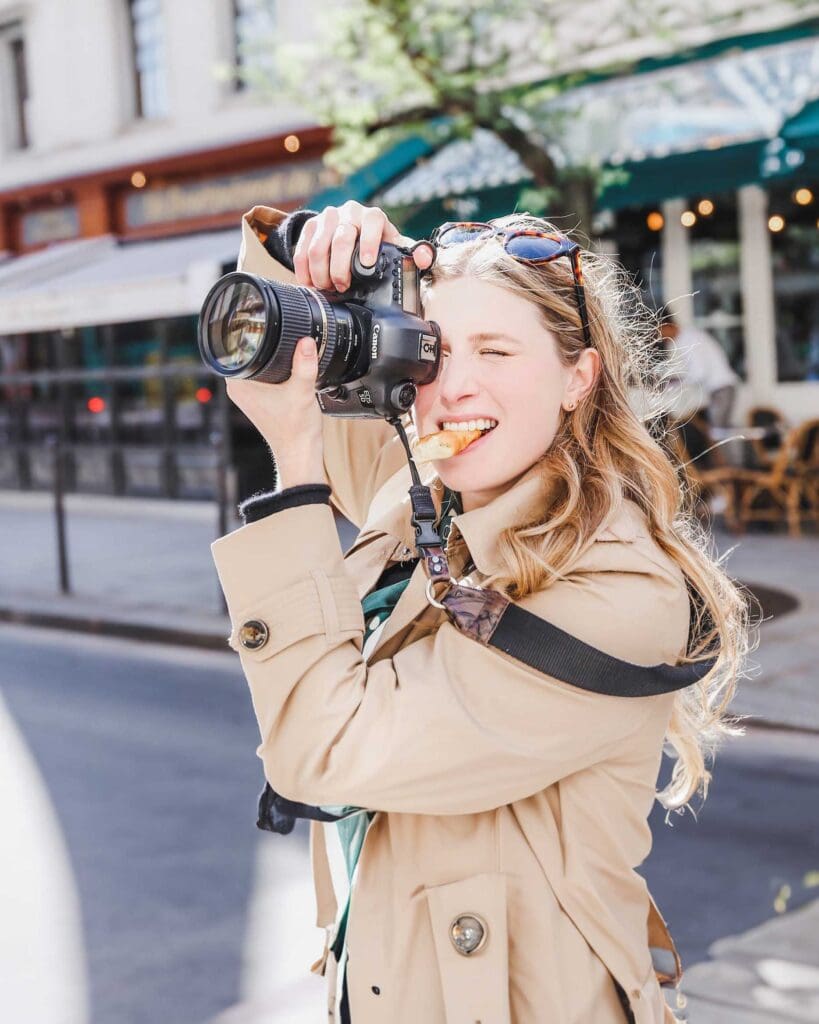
130	144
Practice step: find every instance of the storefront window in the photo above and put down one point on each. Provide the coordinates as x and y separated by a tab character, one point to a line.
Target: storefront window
635	240
793	220
148	56
132	403
715	261
254	24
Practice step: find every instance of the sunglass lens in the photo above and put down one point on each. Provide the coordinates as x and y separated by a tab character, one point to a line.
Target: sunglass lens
536	247
461	233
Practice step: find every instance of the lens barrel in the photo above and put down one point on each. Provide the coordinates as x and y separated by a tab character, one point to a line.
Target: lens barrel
249	327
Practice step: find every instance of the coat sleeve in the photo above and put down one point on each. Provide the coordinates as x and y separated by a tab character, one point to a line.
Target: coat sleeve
446	726
360	455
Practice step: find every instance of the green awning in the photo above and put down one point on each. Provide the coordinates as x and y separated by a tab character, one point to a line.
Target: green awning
362	184
716	123
685	174
803	128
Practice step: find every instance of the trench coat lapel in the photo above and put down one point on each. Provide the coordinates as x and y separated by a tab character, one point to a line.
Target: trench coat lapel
390	515
389	535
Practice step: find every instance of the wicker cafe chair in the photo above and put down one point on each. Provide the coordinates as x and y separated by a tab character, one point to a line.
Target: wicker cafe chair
707	470
788	491
766	449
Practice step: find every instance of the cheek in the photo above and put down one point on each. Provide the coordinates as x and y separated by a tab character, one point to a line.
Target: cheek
423	402
533	401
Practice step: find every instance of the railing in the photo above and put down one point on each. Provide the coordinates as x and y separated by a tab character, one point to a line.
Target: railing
113	464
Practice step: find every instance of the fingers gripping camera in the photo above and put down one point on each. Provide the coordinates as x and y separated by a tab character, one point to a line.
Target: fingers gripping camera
374	347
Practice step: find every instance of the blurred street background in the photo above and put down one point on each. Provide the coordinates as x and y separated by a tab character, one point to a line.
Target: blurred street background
683	137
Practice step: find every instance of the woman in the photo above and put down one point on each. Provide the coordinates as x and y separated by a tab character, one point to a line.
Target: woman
503	812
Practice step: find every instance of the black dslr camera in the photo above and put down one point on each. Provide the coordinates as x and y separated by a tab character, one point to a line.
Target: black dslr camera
374	348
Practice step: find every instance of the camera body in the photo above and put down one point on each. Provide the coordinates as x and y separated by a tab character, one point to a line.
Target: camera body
374	347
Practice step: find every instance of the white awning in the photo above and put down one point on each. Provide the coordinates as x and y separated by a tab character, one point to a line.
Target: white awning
104	280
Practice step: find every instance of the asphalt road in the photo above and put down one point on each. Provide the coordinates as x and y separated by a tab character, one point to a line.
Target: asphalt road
148	754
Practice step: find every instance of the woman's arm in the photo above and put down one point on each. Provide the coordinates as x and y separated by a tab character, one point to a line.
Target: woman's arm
446	726
360	455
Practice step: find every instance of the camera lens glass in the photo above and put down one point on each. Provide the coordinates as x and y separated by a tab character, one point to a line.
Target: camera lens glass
236	325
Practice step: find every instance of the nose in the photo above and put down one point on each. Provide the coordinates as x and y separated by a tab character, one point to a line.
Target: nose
456	380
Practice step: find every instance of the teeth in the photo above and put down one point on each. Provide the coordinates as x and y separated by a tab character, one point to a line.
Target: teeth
480	424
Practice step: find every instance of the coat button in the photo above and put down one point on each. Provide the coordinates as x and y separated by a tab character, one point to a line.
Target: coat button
468	933
253	634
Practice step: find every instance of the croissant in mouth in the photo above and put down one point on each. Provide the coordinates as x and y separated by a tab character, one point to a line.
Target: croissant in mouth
443	444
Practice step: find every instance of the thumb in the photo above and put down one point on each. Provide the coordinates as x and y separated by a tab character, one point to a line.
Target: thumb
306	361
423	251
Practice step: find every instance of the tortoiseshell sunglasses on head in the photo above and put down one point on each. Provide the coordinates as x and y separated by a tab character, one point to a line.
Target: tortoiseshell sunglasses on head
529	245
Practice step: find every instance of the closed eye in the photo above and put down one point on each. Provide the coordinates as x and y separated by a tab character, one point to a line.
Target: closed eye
491	351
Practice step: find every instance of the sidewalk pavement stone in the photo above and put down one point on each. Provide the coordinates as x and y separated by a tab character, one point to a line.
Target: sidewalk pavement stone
768	975
782	688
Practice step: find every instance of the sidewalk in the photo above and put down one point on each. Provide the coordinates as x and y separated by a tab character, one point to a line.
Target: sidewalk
769	975
137	568
143	569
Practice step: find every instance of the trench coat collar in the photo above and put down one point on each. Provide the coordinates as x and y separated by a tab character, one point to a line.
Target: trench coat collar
522	503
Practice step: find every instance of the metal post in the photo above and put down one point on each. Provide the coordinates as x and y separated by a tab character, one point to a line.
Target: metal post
116	456
55	442
221	496
220	442
170	476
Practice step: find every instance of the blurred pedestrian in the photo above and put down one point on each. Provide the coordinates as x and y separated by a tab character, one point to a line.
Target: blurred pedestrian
699	374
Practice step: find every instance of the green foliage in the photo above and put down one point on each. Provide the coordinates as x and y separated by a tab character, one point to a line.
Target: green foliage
380	70
537	201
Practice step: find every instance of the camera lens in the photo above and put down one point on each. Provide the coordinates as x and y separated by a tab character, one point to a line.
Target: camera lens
249	327
236	325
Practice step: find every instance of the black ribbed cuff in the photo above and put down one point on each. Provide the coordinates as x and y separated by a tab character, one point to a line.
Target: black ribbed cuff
281	244
266	503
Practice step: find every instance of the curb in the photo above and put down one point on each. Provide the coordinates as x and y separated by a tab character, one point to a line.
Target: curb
215	639
144	631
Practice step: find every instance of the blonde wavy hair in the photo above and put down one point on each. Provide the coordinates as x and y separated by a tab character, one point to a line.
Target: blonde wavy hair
602	454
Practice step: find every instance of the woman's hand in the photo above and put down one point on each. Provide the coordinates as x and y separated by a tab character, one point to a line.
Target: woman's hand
287	415
324	252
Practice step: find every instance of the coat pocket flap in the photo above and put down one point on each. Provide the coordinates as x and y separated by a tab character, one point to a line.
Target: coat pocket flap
471	945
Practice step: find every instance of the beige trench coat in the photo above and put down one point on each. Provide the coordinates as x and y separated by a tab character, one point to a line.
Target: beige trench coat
499	791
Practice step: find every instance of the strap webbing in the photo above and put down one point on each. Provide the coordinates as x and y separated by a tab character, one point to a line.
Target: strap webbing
547	648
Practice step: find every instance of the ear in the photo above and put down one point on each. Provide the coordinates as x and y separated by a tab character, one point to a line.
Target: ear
581	378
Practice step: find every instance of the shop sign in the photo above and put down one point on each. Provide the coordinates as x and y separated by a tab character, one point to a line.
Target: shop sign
53	224
228	194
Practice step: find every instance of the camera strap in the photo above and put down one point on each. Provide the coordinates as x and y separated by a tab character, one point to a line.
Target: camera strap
494	620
